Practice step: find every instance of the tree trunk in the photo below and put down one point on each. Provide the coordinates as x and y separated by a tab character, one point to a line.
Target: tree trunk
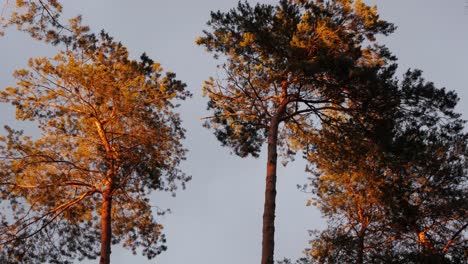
360	256
362	233
106	228
268	242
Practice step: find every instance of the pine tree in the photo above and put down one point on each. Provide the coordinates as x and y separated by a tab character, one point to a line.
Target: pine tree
109	137
288	69
396	194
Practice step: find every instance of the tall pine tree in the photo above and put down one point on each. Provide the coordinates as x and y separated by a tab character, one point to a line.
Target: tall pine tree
109	137
288	68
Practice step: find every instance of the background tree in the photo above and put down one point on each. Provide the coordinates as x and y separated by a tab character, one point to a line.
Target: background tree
288	68
432	148
109	136
397	194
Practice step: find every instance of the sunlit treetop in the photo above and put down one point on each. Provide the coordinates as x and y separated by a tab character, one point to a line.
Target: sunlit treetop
309	58
109	130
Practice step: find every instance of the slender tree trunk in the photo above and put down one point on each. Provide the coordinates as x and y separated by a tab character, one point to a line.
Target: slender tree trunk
360	256
362	233
106	210
106	228
268	242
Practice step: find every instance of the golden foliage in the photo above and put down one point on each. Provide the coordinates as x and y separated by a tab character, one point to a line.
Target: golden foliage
108	127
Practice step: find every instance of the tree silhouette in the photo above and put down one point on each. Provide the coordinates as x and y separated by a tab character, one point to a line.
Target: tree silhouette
395	194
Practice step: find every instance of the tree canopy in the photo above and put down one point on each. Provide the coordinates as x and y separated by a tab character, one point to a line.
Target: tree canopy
388	158
399	196
308	56
109	137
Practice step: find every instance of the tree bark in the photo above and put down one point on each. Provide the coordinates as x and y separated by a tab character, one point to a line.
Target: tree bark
268	239
106	228
106	210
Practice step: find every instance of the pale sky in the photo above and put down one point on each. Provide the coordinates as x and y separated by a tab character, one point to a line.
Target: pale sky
218	218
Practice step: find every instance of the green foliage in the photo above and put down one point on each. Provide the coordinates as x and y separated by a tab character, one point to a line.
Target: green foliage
310	57
108	127
399	196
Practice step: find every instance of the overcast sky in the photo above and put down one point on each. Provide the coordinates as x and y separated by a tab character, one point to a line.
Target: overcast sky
218	218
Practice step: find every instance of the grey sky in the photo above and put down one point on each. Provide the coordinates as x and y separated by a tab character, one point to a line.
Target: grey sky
218	218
